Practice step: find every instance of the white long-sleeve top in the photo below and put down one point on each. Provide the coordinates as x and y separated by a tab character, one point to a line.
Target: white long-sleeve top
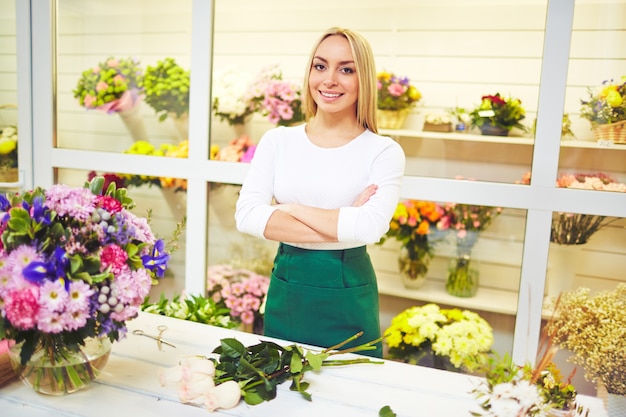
289	168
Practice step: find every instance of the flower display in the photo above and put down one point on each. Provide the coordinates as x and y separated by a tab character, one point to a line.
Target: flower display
282	102
167	88
593	328
240	290
513	390
230	100
193	308
8	147
395	92
112	86
75	263
415	224
240	149
577	228
500	111
607	105
461	337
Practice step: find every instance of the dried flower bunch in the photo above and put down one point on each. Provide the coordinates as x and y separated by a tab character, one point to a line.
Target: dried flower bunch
593	328
606	106
460	335
504	112
395	92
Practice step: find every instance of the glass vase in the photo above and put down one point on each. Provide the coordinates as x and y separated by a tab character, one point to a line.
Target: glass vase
413	270
60	370
462	277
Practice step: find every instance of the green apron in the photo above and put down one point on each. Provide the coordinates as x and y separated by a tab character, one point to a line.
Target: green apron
322	297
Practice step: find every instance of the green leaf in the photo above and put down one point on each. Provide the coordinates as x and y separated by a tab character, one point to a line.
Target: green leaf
386	412
232	348
316	360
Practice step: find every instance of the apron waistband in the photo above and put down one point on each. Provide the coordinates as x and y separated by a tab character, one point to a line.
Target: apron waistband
323	253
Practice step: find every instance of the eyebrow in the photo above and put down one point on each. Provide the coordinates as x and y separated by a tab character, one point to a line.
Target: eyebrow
326	61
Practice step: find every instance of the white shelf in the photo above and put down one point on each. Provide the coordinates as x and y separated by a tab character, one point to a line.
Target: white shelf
511	140
486	299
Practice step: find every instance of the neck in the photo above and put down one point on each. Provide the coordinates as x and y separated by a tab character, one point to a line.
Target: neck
333	129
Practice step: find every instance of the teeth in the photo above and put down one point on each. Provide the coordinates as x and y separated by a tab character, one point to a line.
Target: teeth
329	95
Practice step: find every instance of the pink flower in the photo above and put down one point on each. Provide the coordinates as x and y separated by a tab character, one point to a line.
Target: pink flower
114	257
53	296
396	89
225	395
101	86
22	307
89	100
113	63
50	321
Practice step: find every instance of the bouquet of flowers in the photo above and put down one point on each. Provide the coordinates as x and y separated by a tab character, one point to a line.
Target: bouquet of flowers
499	111
167	88
415	224
240	290
8	147
275	98
230	101
112	86
606	106
396	93
467	221
577	228
240	149
456	339
76	263
593	328
193	308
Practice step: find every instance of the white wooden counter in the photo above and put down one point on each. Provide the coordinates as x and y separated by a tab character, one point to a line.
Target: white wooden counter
129	384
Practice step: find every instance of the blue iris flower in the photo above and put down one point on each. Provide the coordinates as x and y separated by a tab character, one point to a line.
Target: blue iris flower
157	260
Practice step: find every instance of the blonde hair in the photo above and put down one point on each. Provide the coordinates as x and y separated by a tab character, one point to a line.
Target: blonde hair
366	73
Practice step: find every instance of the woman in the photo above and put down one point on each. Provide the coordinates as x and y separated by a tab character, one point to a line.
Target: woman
325	189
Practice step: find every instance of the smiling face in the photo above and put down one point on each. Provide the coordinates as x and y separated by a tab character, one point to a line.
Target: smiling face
333	80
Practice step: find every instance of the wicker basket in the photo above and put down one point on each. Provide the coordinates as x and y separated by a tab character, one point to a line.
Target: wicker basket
437	127
614	132
8	175
391	119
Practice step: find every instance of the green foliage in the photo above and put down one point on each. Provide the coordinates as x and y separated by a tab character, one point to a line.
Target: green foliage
386	411
260	368
193	308
167	88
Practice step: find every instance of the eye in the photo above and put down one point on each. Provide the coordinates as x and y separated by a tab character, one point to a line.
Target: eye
319	67
348	70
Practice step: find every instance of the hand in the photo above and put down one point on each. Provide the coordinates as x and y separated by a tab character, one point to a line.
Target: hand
365	195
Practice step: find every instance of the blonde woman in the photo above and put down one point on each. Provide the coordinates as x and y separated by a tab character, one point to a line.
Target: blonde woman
324	190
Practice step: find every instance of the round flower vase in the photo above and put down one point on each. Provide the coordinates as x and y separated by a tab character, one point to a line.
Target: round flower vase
63	371
412	271
463	277
391	119
490	130
134	123
616	405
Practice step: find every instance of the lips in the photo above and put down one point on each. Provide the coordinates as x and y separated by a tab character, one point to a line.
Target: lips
329	94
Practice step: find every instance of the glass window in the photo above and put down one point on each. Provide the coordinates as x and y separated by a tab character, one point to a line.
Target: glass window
8	97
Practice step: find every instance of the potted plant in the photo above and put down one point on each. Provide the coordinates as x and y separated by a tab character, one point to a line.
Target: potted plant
606	111
497	115
396	97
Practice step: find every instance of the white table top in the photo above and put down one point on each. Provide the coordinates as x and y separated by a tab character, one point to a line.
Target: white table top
129	384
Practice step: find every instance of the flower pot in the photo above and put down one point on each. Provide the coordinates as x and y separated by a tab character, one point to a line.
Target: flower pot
463	277
58	370
490	130
181	124
391	119
413	271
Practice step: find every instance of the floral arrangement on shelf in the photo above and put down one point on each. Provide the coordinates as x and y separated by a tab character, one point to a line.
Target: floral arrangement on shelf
240	290
277	99
467	221
193	308
455	339
234	371
167	88
577	228
499	111
606	106
8	147
415	224
395	92
76	263
231	103
593	328
112	86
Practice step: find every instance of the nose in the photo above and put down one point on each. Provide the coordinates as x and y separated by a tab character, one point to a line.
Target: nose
330	81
